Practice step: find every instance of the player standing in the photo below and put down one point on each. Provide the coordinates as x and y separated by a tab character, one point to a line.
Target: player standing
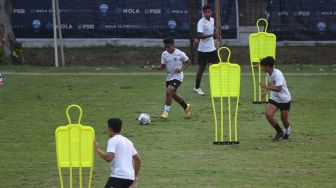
280	97
206	48
175	62
120	154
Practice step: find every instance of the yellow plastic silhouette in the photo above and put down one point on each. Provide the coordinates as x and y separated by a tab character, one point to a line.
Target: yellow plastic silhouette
225	83
261	44
74	148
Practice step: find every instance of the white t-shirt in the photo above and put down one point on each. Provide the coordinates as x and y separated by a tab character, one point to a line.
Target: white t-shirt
277	79
207	27
122	164
172	62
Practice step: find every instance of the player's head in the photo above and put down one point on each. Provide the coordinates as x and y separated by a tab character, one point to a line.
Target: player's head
169	44
207	11
267	63
114	126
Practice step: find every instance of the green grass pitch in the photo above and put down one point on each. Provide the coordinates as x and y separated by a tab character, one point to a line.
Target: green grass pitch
177	153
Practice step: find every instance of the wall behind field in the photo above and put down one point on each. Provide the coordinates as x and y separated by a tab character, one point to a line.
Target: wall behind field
116	19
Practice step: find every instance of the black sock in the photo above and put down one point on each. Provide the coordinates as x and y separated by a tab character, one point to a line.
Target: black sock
278	128
198	83
183	104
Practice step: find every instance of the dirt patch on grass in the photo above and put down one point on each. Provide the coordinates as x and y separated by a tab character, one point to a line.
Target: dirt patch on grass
118	56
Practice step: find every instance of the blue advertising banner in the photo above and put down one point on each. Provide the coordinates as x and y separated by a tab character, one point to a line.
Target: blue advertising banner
302	19
114	19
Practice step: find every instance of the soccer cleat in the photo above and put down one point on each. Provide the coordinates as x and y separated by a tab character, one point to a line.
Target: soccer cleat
199	91
278	136
164	116
287	133
188	111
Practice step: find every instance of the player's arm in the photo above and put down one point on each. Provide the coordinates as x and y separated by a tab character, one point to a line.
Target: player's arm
158	67
203	36
137	164
271	88
107	156
185	65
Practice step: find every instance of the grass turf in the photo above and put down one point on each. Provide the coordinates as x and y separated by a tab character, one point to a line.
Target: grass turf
177	153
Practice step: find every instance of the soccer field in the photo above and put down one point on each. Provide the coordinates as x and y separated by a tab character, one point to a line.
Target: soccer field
177	153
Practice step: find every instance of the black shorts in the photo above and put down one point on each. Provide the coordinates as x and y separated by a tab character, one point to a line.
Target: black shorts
118	183
174	83
207	57
281	106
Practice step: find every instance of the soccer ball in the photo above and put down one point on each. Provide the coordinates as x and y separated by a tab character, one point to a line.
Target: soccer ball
144	119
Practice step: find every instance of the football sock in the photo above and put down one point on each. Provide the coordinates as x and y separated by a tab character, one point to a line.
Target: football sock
198	83
287	131
183	104
278	128
166	108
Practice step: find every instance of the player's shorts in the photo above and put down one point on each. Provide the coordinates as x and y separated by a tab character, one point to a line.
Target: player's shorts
207	57
281	106
175	83
118	183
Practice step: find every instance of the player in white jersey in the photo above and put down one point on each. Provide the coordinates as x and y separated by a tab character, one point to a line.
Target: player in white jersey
120	154
174	61
207	53
280	97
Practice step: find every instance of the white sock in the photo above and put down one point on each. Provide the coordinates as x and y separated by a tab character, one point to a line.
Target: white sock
287	131
166	108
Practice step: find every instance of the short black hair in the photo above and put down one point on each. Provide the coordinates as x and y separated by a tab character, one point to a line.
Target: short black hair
268	61
207	7
168	41
115	124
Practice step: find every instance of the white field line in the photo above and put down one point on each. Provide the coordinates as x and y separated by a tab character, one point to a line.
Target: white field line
138	74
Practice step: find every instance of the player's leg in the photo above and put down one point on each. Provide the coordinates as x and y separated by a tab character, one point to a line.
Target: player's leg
271	108
202	61
284	118
178	98
168	101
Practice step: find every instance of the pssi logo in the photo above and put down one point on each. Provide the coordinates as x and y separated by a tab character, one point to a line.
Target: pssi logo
103	8
172	24
36	24
321	26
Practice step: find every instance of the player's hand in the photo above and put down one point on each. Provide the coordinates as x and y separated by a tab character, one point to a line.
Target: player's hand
196	42
263	85
178	70
264	95
96	146
135	183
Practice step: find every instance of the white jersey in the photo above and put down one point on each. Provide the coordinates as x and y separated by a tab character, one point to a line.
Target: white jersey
173	61
122	164
207	27
277	79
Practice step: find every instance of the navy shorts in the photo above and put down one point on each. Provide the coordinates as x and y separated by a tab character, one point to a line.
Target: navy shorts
281	106
175	83
207	57
118	183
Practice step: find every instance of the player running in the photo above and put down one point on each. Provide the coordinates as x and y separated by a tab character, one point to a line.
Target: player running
280	97
175	62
